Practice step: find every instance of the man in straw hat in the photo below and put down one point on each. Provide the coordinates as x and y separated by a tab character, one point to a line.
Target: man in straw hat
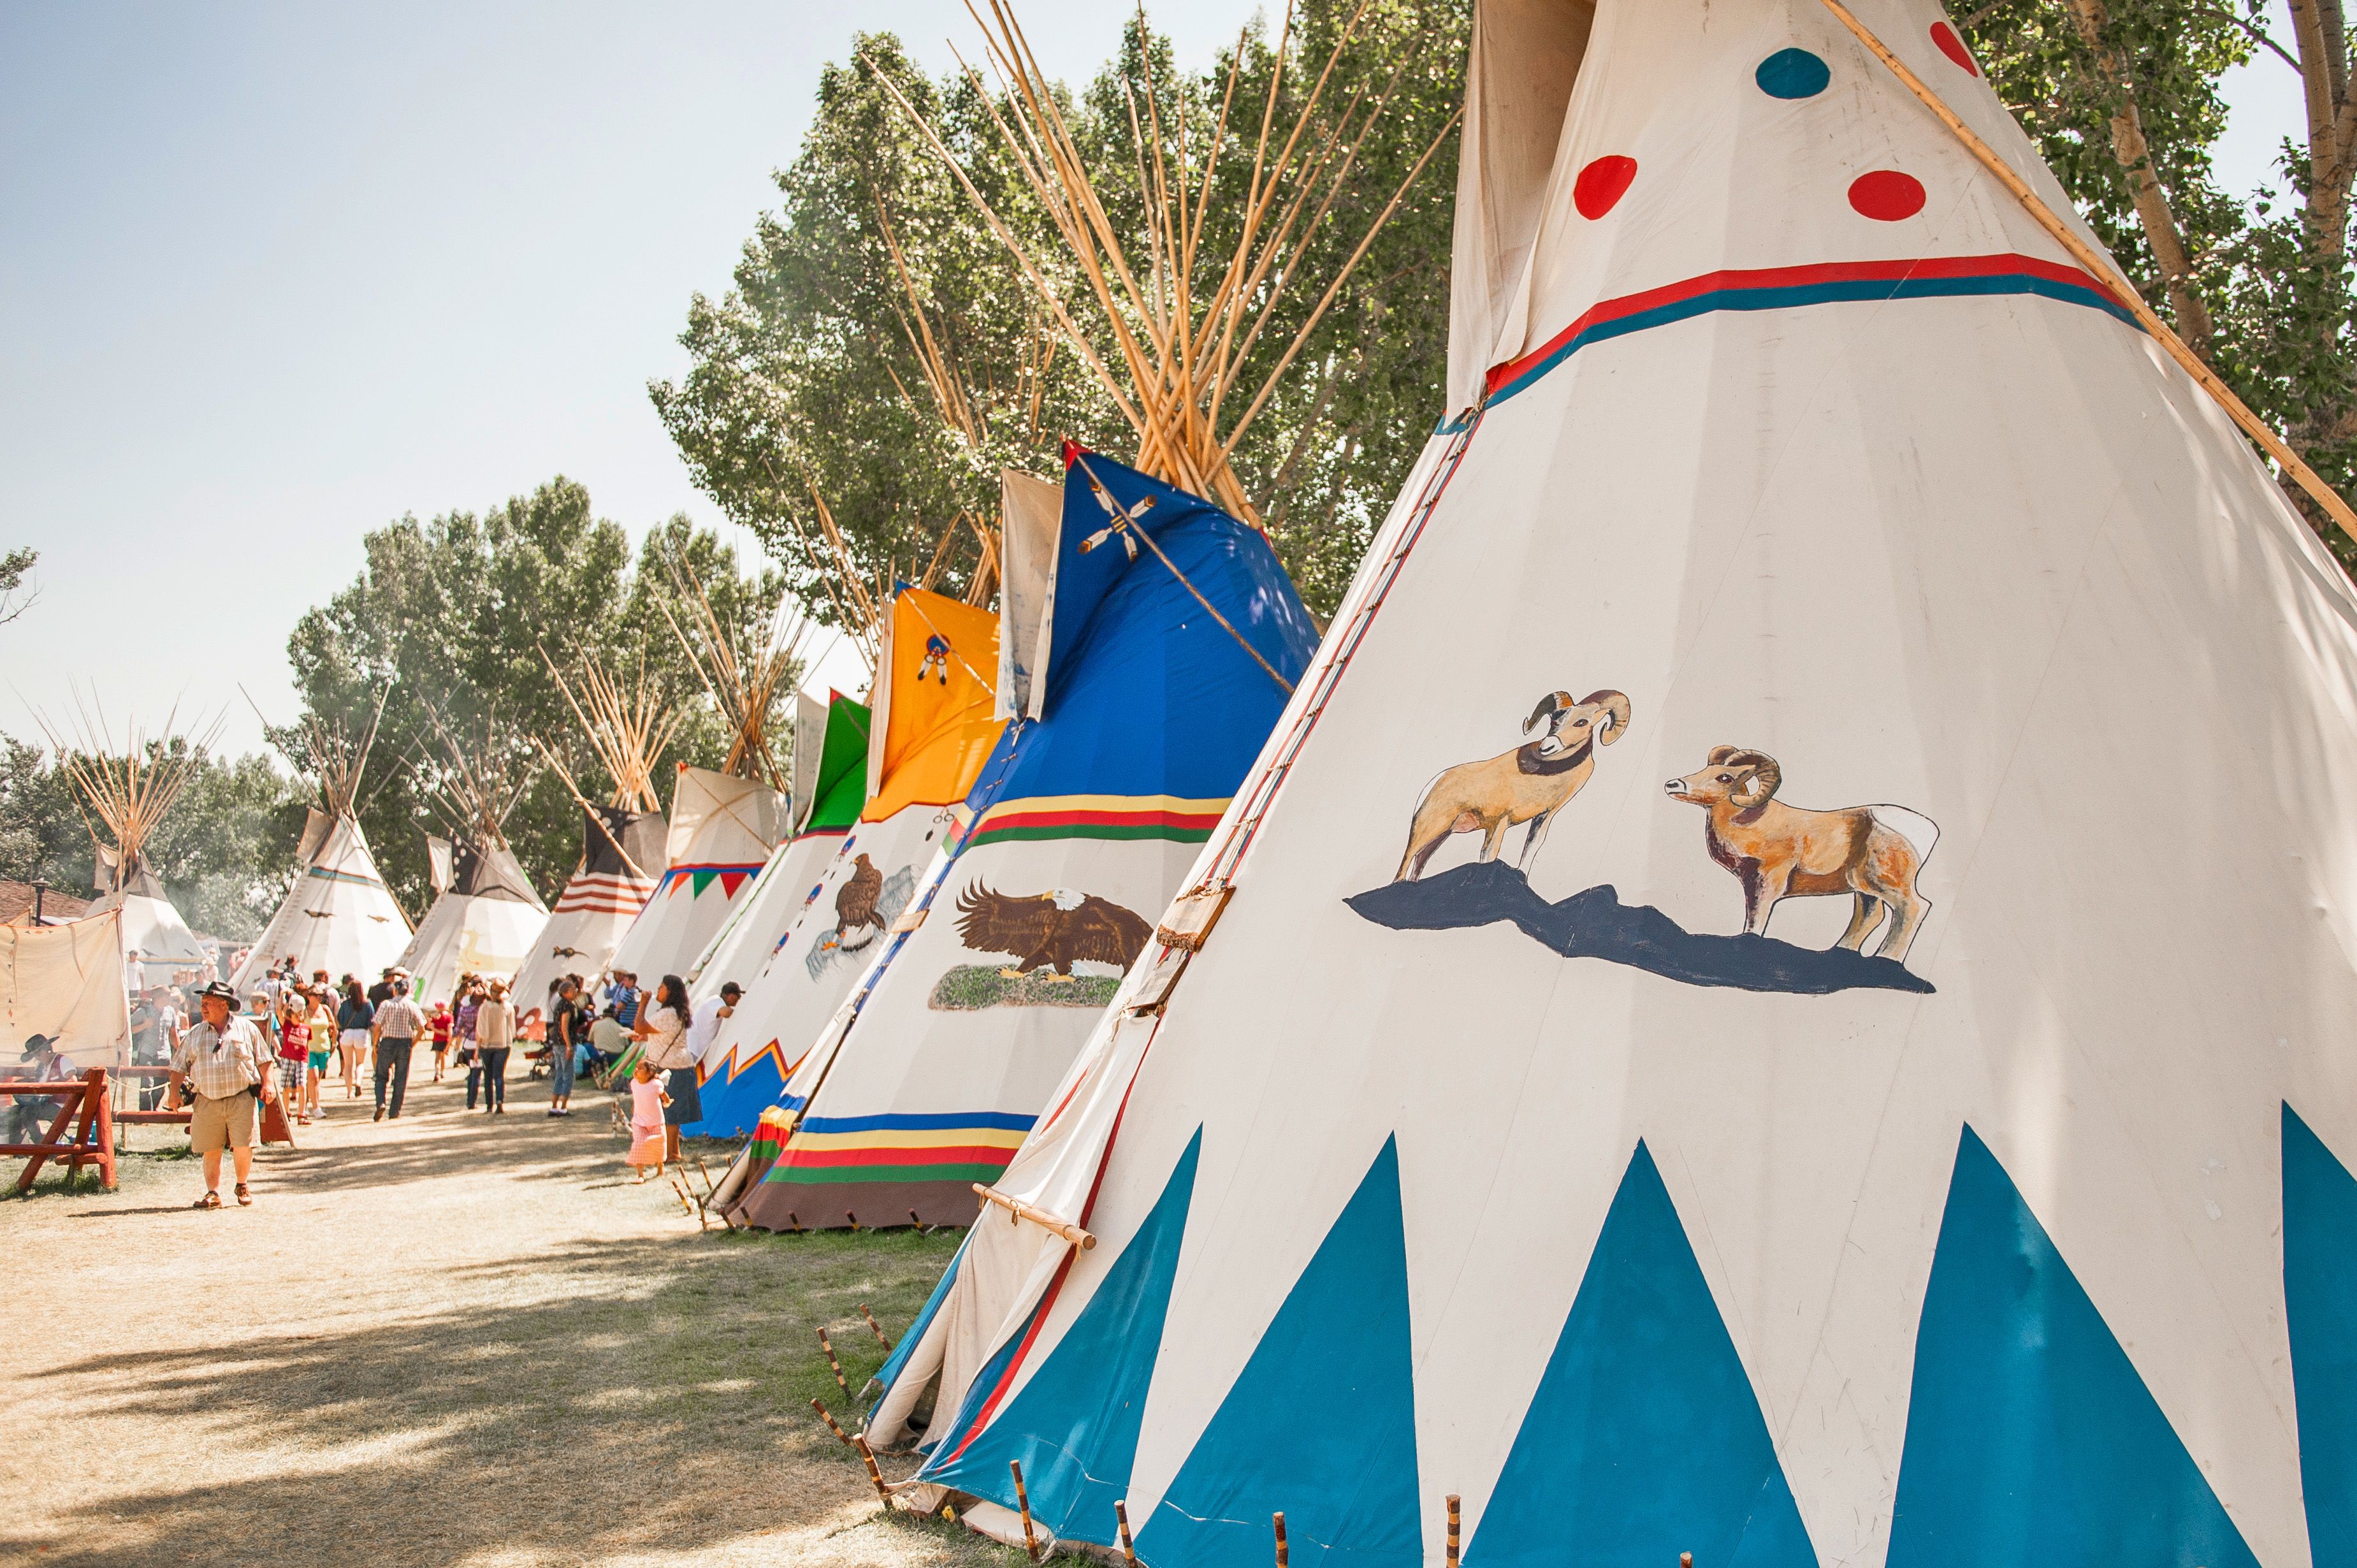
224	1063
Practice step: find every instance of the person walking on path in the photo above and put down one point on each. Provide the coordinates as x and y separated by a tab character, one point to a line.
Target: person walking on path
664	1031
354	1020
466	1012
323	1033
650	1138
442	1023
398	1024
494	1038
224	1065
563	1040
294	1050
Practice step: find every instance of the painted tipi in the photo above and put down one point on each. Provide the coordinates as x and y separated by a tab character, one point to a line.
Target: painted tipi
830	779
932	730
722	830
1781	990
1140	684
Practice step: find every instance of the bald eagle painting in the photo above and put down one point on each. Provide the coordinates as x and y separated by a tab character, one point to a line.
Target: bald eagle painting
1051	930
856	905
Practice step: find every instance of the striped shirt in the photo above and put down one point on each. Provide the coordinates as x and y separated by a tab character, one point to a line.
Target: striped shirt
218	1063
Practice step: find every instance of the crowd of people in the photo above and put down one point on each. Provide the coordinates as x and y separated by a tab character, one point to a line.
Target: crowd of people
234	1058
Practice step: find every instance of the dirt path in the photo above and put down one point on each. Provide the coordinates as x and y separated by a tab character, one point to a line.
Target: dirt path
445	1339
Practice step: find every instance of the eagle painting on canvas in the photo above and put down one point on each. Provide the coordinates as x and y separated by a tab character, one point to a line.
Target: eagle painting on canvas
1049	933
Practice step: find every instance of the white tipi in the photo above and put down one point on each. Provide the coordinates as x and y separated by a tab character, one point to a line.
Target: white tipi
338	916
128	792
1577	1093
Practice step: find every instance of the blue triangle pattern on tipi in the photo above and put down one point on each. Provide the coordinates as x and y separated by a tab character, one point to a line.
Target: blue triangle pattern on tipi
1645	1439
2319	1247
1320	1424
2031	1441
1074	1427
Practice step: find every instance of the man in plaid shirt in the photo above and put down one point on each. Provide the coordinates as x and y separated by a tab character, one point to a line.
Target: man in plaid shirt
225	1063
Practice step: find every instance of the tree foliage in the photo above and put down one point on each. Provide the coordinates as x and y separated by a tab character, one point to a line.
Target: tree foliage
2267	296
810	371
448	623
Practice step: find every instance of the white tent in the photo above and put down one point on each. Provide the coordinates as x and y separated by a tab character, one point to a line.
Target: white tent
65	981
157	946
338	916
722	830
1138	715
1688	1155
931	732
487	920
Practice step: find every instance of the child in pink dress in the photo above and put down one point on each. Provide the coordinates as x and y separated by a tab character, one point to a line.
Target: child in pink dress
647	1103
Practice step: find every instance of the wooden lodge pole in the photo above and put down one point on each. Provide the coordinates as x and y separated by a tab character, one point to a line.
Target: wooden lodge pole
2094	261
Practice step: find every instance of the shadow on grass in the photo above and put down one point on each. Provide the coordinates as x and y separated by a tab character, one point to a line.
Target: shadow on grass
597	1398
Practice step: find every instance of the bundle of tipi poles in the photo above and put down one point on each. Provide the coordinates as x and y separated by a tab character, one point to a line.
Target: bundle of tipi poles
1180	323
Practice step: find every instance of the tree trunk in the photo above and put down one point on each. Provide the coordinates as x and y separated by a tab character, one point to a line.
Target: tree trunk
2133	155
2323	37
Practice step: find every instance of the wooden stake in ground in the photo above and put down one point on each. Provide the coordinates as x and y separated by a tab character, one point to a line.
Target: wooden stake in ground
1451	1559
875	1329
2087	256
1121	1529
859	1441
1276	1523
1172	329
828	1346
1023	1506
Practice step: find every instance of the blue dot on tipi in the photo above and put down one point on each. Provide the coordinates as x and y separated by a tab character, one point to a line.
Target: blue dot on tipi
1793	73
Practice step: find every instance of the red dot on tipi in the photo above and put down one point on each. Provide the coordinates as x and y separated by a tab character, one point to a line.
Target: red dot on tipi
1953	46
1887	195
1602	184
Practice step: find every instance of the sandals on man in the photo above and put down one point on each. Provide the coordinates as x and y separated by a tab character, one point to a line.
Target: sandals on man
244	1198
210	1200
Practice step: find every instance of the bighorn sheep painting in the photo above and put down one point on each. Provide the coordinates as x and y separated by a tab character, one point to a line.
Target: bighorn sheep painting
1778	851
1529	784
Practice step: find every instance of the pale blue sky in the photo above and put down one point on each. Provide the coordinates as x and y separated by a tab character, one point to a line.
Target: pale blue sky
273	274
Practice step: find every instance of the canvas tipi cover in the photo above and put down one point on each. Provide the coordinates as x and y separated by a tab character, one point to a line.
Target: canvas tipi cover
1863	1077
931	732
722	830
158	948
1083	822
621	857
484	923
736	1090
338	916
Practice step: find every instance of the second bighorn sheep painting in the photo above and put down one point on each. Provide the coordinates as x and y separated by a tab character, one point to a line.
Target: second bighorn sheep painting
1778	851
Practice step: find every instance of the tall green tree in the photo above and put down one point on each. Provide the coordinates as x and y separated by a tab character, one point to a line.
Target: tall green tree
447	624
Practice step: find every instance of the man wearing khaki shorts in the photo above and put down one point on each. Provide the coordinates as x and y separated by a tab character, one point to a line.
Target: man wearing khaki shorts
224	1063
